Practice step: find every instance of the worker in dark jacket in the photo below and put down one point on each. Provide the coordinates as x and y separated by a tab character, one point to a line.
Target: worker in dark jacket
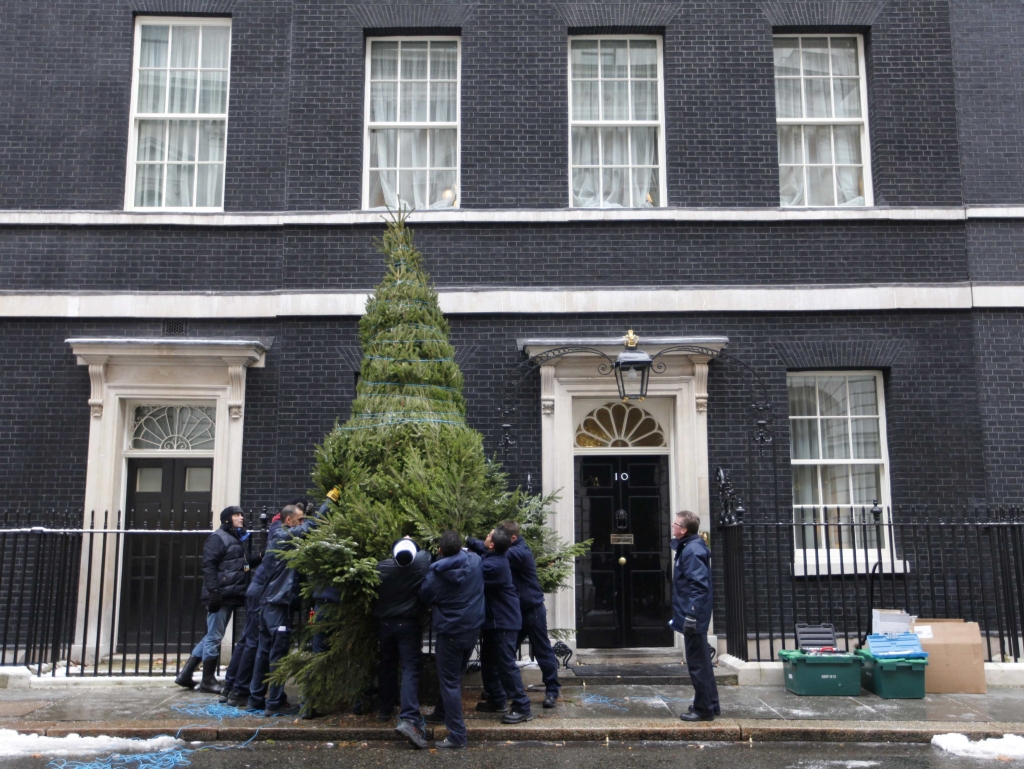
401	637
280	598
503	682
243	656
454	586
535	616
226	562
691	612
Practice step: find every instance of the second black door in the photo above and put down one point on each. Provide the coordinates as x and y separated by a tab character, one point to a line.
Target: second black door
623	588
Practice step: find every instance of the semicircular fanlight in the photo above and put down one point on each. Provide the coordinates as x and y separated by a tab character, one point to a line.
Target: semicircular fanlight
619	425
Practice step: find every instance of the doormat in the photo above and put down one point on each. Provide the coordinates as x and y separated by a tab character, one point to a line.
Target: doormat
662	670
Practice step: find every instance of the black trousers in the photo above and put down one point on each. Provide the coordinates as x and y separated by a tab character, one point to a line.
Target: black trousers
702	674
452	652
535	627
243	656
401	646
499	671
275	640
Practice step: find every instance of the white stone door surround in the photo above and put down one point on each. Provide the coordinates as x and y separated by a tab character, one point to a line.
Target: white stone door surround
576	376
128	371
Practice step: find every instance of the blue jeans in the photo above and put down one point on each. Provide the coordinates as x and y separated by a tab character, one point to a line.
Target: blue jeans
502	679
209	645
452	653
535	627
243	656
401	645
275	640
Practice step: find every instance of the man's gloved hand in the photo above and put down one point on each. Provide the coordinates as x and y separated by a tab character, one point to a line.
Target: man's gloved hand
214	602
690	626
255	561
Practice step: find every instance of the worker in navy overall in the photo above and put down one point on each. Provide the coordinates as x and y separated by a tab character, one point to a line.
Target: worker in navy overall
691	612
454	586
503	683
400	636
280	596
531	605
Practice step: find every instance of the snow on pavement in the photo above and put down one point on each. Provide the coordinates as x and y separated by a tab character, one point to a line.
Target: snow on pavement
14	744
1007	746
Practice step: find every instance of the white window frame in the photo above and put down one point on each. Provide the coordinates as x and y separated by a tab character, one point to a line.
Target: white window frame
457	125
133	132
863	121
659	123
808	561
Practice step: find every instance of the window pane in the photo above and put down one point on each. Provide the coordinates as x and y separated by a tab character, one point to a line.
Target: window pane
645	99
616	99
181	140
585	187
863	396
867	443
805	439
443	102
645	146
787	98
847	93
819	144
790	144
414	61
443	149
643	56
614	58
802	396
382	190
614	191
383	61
835	439
383	102
444	61
198	478
815	56
412	149
183	91
210	185
787	56
180	179
153	46
413	189
184	46
585	100
149	480
844	56
615	146
818	97
832	396
150	144
850	186
847	144
414	102
211	139
867	484
585	147
215	47
645	188
442	189
791	186
805	485
149	182
835	484
382	149
820	191
213	92
151	90
584	59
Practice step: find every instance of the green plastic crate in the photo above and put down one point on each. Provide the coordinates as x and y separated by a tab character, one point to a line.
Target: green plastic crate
821	675
893	679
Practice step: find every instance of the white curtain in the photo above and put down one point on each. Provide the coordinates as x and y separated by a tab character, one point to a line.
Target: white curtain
585	152
645	180
383	160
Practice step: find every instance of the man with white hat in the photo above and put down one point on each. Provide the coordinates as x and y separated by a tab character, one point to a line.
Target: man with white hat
401	637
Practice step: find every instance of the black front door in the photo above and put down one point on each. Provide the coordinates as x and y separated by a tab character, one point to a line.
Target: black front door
623	588
163	572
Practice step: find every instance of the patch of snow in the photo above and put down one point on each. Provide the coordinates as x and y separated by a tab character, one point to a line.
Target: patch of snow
798	712
14	744
1009	746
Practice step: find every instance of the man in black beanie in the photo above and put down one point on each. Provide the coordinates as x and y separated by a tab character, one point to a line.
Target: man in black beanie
226	563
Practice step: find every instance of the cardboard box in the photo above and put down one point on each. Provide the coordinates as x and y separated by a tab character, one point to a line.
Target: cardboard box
891	621
956	660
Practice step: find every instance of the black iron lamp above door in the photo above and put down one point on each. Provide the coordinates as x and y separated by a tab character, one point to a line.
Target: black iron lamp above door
632	369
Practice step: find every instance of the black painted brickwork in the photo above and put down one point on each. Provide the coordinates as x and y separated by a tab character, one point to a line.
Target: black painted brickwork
996	250
579	254
295	133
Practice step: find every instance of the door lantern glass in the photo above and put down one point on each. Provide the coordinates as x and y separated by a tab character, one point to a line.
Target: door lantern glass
632	369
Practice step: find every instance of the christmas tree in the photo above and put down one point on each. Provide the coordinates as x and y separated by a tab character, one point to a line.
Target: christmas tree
405	463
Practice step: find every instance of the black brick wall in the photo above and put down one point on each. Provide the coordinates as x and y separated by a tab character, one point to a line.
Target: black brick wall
996	250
